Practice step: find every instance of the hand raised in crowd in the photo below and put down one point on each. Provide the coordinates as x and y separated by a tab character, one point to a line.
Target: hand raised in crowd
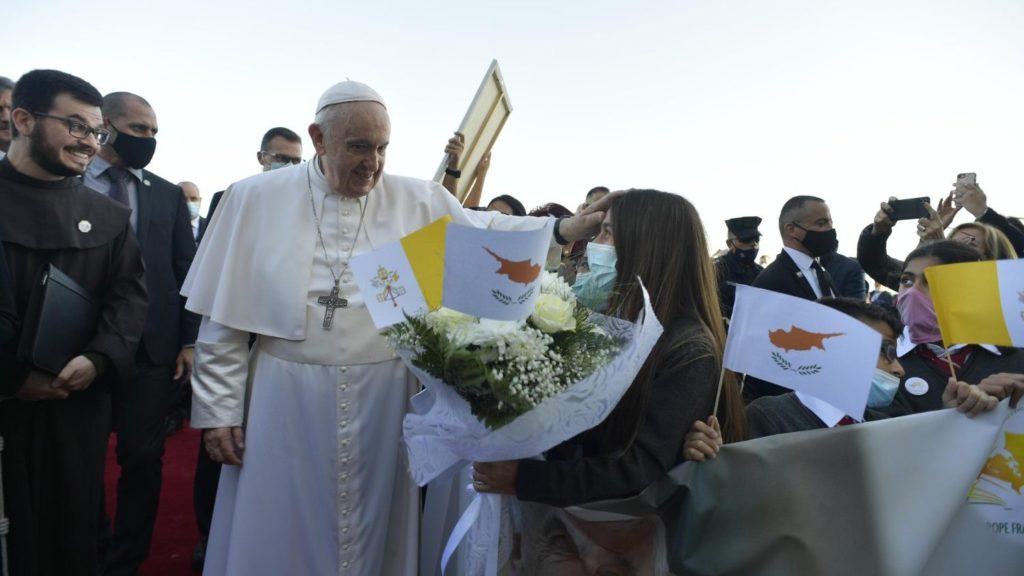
77	375
947	210
930	228
496	477
1004	385
585	225
456	145
183	365
484	165
883	223
703	441
971	400
39	386
225	445
971	197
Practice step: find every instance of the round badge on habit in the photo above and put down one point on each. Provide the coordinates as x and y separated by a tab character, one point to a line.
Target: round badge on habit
84	226
916	386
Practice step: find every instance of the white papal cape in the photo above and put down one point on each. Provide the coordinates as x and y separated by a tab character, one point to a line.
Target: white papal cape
324	487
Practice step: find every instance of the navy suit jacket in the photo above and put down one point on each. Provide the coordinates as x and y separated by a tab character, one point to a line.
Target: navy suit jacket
783	275
204	223
164	230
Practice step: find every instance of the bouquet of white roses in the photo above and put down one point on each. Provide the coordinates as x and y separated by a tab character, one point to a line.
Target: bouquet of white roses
505	368
507	390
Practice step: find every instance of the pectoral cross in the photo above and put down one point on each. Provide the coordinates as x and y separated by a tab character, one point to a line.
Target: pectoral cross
331	302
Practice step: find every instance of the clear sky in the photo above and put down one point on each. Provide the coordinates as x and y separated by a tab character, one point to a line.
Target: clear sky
736	105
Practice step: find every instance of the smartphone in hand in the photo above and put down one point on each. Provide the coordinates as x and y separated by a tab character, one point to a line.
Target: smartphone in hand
909	209
967	179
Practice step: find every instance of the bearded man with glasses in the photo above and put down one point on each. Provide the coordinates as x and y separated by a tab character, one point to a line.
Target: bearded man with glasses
55	425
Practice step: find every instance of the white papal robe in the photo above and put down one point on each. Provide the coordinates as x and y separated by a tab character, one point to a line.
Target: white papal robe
323	487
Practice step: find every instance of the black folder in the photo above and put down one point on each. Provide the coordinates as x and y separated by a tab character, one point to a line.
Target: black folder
59	322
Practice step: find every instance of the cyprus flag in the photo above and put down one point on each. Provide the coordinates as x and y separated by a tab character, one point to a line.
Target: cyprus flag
804	346
494	274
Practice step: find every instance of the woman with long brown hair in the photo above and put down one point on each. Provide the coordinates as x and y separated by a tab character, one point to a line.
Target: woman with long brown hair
659	243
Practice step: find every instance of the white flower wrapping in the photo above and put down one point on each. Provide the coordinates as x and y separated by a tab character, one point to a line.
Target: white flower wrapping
442	434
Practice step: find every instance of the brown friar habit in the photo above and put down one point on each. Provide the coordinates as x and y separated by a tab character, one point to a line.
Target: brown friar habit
54	449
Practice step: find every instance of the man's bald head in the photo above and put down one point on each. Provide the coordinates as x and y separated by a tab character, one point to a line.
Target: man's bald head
191	191
116	104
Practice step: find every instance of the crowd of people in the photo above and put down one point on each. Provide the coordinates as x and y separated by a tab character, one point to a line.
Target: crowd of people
300	398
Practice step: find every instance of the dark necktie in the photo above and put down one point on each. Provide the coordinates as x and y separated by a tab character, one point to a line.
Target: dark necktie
845	421
823	282
118	184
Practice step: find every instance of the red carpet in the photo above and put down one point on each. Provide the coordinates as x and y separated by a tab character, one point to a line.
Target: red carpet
175	535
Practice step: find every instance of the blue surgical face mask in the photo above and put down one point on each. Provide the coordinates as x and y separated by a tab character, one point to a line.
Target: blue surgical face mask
594	288
193	209
883	389
279	165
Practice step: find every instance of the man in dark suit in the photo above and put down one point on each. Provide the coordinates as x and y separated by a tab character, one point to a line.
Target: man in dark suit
805	224
140	407
279	148
194	201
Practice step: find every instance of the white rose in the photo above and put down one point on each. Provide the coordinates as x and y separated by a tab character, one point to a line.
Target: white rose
443	320
552	314
555	284
482	333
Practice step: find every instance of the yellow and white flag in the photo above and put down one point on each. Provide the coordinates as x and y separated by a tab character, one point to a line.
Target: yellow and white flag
979	302
404	277
486	273
804	346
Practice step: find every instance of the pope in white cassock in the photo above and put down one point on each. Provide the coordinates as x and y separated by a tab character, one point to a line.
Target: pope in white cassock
318	482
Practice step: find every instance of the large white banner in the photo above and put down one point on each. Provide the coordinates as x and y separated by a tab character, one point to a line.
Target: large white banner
935	494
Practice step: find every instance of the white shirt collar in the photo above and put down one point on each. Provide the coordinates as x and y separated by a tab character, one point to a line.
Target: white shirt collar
825	412
99	165
904	346
802	261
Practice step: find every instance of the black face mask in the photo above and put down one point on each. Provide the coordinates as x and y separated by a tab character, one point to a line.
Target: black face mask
134	150
746	256
817	242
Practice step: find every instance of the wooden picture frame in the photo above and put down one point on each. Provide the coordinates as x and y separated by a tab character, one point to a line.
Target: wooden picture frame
481	126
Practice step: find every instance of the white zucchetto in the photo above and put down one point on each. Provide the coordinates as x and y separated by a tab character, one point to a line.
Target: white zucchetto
348	91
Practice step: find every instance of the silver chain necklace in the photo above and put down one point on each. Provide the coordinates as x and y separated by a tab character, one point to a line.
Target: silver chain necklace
334	300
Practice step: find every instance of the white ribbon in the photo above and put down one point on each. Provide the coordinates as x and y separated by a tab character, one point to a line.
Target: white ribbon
483	515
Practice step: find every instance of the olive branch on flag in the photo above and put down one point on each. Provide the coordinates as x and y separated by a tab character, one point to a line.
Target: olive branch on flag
804	370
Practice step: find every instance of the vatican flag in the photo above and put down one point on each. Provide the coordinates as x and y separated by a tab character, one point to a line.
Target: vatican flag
979	302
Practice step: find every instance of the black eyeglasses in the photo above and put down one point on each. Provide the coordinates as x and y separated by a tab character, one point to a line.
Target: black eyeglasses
276	157
79	129
888	351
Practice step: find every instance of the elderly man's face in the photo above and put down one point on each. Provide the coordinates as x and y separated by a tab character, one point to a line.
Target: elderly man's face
352	148
5	119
